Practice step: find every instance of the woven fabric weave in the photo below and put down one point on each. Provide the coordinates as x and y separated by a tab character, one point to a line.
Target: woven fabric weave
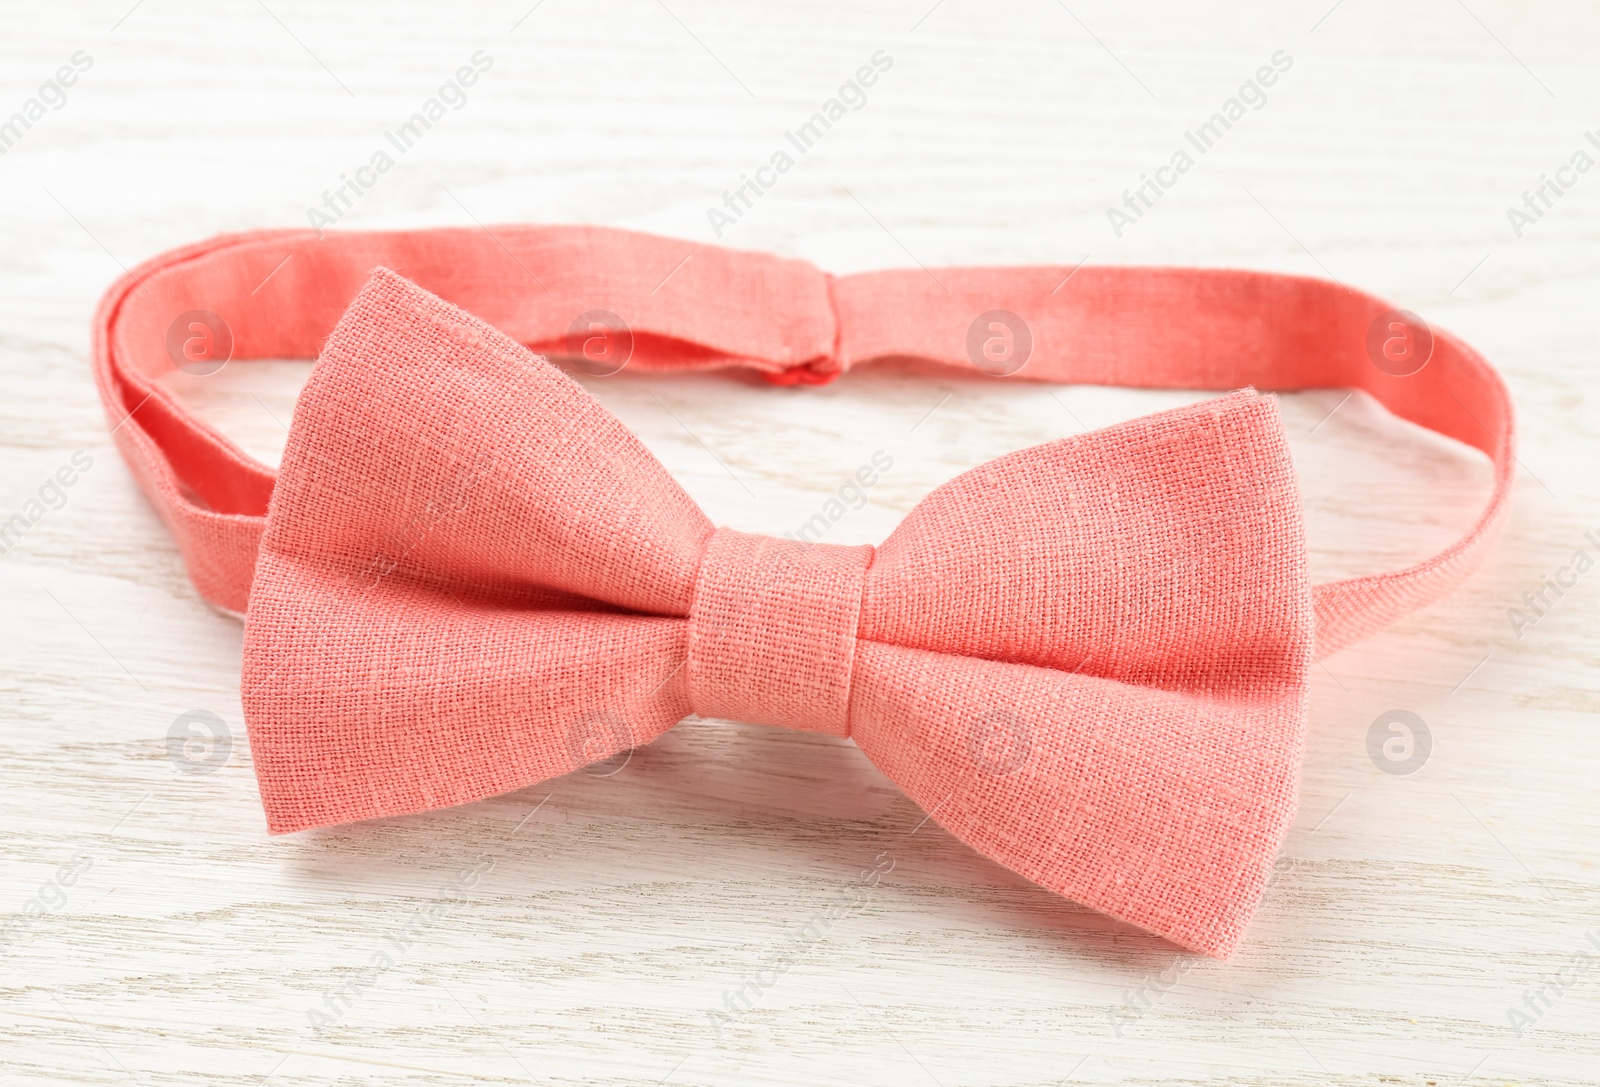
1089	659
772	631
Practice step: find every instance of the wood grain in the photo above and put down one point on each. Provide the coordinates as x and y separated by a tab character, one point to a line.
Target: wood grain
596	929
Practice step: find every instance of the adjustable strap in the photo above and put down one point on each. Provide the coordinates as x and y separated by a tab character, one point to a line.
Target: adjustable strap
677	305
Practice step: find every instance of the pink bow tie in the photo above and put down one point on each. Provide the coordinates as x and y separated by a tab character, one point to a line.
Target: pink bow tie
1088	660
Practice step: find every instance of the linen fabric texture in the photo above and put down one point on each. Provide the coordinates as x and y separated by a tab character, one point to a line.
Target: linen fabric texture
1089	660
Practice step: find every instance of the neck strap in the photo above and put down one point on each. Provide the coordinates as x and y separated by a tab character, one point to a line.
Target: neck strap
689	307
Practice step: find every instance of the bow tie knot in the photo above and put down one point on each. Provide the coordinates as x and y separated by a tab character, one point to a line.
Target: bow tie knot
772	631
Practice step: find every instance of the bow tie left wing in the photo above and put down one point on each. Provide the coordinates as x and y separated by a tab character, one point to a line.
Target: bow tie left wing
473	577
428	439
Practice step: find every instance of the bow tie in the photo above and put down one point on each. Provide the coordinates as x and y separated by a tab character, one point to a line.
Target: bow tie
1089	660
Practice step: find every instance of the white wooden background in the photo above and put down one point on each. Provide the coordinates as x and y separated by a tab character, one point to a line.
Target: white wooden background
156	935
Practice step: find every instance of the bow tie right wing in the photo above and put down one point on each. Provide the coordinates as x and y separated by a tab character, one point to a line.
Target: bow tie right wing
1089	661
1159	808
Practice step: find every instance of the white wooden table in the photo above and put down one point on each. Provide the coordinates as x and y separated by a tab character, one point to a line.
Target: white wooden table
1423	928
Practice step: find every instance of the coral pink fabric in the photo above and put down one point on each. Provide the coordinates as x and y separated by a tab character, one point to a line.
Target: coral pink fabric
1089	659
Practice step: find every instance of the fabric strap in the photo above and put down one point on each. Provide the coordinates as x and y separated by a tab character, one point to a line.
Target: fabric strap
688	306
